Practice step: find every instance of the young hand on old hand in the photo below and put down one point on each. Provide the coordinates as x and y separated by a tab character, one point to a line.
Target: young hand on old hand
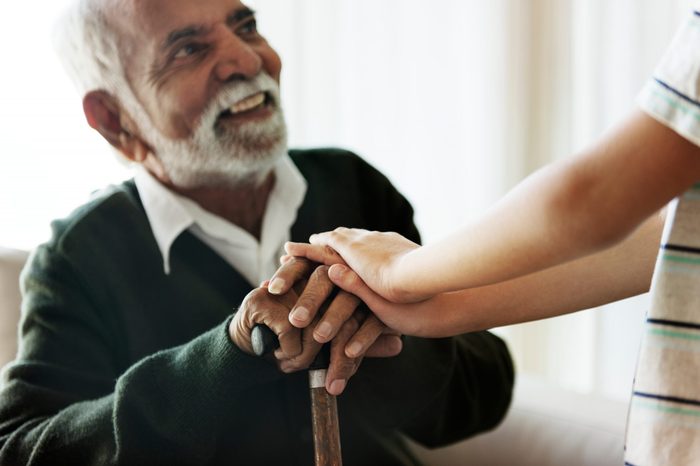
378	259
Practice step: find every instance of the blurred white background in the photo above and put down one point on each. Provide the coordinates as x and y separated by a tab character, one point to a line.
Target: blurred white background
454	100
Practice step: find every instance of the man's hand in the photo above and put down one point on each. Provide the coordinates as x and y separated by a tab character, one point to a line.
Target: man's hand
372	338
260	307
362	333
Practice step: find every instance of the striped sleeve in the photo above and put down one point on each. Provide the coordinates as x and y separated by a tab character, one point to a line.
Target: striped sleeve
672	96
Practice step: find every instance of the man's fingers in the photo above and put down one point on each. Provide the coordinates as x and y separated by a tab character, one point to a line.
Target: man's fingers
349	281
317	290
261	308
290	342
317	253
386	346
365	337
340	310
351	344
309	350
293	270
272	311
341	367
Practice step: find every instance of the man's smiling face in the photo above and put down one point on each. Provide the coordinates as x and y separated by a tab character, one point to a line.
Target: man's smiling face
209	84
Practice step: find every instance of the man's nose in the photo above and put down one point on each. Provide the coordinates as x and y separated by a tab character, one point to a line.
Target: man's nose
237	58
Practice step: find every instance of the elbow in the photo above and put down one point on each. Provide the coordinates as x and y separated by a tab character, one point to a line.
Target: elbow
584	214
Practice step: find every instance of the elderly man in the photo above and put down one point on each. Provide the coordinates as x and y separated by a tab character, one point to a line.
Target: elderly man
129	354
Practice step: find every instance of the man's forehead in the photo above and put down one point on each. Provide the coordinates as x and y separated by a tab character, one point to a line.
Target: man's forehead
155	20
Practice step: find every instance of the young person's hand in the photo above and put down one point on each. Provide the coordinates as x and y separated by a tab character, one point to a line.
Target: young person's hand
378	258
429	318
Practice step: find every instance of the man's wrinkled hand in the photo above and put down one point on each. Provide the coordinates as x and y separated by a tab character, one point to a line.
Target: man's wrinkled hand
315	312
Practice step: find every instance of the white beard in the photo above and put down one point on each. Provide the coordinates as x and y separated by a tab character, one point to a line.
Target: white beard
215	157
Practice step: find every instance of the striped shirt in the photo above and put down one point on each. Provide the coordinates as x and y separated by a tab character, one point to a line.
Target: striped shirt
664	418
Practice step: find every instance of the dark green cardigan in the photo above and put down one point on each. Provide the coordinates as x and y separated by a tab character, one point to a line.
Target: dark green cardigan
122	364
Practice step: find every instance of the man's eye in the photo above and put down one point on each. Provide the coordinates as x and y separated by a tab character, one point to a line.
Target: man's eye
188	50
251	27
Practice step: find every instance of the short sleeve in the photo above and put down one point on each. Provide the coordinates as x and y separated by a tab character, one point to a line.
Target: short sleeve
672	96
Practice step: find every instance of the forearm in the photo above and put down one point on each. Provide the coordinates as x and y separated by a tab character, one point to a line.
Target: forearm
524	232
619	272
166	409
565	211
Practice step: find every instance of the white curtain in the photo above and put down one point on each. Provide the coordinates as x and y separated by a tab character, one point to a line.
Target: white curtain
454	100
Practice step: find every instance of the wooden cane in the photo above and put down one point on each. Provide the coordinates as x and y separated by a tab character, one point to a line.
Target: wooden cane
324	410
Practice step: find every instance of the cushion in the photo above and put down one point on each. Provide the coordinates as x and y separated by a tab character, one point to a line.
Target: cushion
11	263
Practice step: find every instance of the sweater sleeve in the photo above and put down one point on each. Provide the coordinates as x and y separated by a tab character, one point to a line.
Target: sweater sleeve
67	400
437	391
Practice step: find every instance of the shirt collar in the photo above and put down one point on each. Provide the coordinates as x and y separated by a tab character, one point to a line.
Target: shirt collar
170	214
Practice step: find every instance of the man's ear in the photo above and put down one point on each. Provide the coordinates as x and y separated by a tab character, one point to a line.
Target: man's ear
104	114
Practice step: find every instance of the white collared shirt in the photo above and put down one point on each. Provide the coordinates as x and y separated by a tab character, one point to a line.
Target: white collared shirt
170	214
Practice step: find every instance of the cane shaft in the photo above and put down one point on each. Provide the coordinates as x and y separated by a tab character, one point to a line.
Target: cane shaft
324	419
324	410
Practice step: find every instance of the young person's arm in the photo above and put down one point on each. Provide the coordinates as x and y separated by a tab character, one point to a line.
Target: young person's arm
619	272
564	211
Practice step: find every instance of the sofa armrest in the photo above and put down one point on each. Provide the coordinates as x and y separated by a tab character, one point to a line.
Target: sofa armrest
11	263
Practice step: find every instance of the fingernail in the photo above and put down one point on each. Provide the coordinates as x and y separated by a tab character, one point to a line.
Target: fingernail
300	313
324	330
336	271
276	286
337	387
354	349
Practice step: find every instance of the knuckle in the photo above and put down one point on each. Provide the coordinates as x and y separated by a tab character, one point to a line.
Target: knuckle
310	299
349	327
345	369
319	283
291	266
330	252
321	273
300	262
287	332
291	362
374	325
292	366
256	297
348	367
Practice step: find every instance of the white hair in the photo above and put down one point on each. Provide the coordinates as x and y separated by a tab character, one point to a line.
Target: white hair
87	44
